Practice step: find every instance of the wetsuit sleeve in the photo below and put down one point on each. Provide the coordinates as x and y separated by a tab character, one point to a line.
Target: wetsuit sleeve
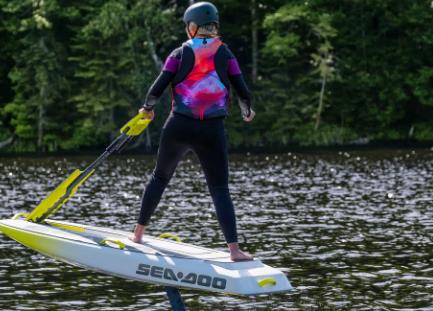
166	75
241	88
238	82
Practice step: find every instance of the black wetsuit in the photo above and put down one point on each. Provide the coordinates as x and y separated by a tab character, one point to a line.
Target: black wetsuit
199	73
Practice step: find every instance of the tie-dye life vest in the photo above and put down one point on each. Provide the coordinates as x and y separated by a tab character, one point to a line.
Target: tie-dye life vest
201	93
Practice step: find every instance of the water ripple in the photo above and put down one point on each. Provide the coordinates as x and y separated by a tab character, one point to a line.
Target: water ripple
353	230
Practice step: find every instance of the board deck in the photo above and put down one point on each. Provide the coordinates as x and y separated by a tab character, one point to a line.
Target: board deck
154	260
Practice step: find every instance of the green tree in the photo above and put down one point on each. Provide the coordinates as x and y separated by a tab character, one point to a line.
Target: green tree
322	72
383	47
299	51
37	75
117	56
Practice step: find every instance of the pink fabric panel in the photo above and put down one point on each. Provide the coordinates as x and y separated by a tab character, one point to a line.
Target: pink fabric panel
233	67
171	64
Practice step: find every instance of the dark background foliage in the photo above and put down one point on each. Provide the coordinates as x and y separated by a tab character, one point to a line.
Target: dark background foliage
322	72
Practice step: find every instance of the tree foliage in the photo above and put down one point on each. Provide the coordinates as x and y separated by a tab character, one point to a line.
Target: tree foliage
325	72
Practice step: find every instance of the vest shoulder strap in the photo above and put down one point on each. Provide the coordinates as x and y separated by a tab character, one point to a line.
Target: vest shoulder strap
220	59
187	60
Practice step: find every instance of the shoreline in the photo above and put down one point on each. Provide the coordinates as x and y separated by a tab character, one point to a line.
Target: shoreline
372	146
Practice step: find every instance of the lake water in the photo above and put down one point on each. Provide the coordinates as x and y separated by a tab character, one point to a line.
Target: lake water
352	230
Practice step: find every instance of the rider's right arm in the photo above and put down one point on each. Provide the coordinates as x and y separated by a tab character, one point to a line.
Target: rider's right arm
166	75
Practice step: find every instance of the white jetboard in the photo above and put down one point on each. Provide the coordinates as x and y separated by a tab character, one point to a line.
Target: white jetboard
155	260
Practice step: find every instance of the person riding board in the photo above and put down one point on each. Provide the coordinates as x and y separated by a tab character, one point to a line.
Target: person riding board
200	73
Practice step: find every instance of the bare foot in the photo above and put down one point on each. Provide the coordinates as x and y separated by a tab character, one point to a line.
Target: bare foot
138	234
134	239
240	256
236	254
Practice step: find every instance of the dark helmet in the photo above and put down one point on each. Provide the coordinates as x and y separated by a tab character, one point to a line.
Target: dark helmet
201	13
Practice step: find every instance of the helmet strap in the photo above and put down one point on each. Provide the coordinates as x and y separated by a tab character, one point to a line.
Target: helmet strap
190	34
